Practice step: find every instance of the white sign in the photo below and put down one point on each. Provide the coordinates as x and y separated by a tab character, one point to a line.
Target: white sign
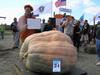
33	23
65	10
56	65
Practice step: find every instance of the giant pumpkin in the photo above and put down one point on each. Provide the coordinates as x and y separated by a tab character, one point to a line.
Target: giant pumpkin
39	50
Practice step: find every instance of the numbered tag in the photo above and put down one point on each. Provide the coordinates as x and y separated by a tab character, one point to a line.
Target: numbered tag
56	65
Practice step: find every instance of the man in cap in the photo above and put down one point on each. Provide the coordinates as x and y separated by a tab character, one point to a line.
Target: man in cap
22	23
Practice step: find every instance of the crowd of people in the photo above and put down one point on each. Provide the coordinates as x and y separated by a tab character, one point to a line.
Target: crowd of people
81	35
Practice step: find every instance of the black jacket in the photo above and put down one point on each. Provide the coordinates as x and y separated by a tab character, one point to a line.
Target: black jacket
98	31
14	27
47	27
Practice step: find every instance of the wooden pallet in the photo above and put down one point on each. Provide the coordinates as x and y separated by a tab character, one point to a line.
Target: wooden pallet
21	70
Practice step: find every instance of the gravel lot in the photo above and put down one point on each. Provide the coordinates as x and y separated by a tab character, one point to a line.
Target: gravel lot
8	57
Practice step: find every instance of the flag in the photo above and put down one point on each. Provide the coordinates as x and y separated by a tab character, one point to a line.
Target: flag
43	8
81	18
60	3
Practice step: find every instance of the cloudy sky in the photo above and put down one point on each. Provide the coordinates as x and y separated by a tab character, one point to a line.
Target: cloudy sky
14	8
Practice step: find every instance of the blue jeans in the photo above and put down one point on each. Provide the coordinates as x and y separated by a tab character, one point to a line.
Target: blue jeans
98	48
59	28
16	39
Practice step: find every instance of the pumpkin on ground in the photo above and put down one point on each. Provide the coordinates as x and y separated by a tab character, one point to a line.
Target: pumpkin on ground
39	50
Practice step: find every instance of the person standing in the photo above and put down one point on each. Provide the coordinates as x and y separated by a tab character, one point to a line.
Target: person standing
76	35
63	19
68	26
43	25
22	24
98	42
2	30
49	26
85	34
14	28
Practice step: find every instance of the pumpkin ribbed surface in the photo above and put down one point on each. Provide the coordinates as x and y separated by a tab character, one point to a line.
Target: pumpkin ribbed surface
42	48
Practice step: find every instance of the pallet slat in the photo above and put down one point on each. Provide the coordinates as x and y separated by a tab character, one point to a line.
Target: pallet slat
21	70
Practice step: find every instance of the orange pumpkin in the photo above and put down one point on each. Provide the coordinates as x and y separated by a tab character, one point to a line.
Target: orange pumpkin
40	49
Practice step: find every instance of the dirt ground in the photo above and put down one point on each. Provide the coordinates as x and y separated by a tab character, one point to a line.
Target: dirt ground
8	57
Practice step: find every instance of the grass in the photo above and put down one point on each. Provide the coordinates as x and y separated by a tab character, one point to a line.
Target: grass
8	32
1	46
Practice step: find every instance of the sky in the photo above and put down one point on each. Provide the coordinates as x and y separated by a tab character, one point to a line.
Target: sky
15	8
